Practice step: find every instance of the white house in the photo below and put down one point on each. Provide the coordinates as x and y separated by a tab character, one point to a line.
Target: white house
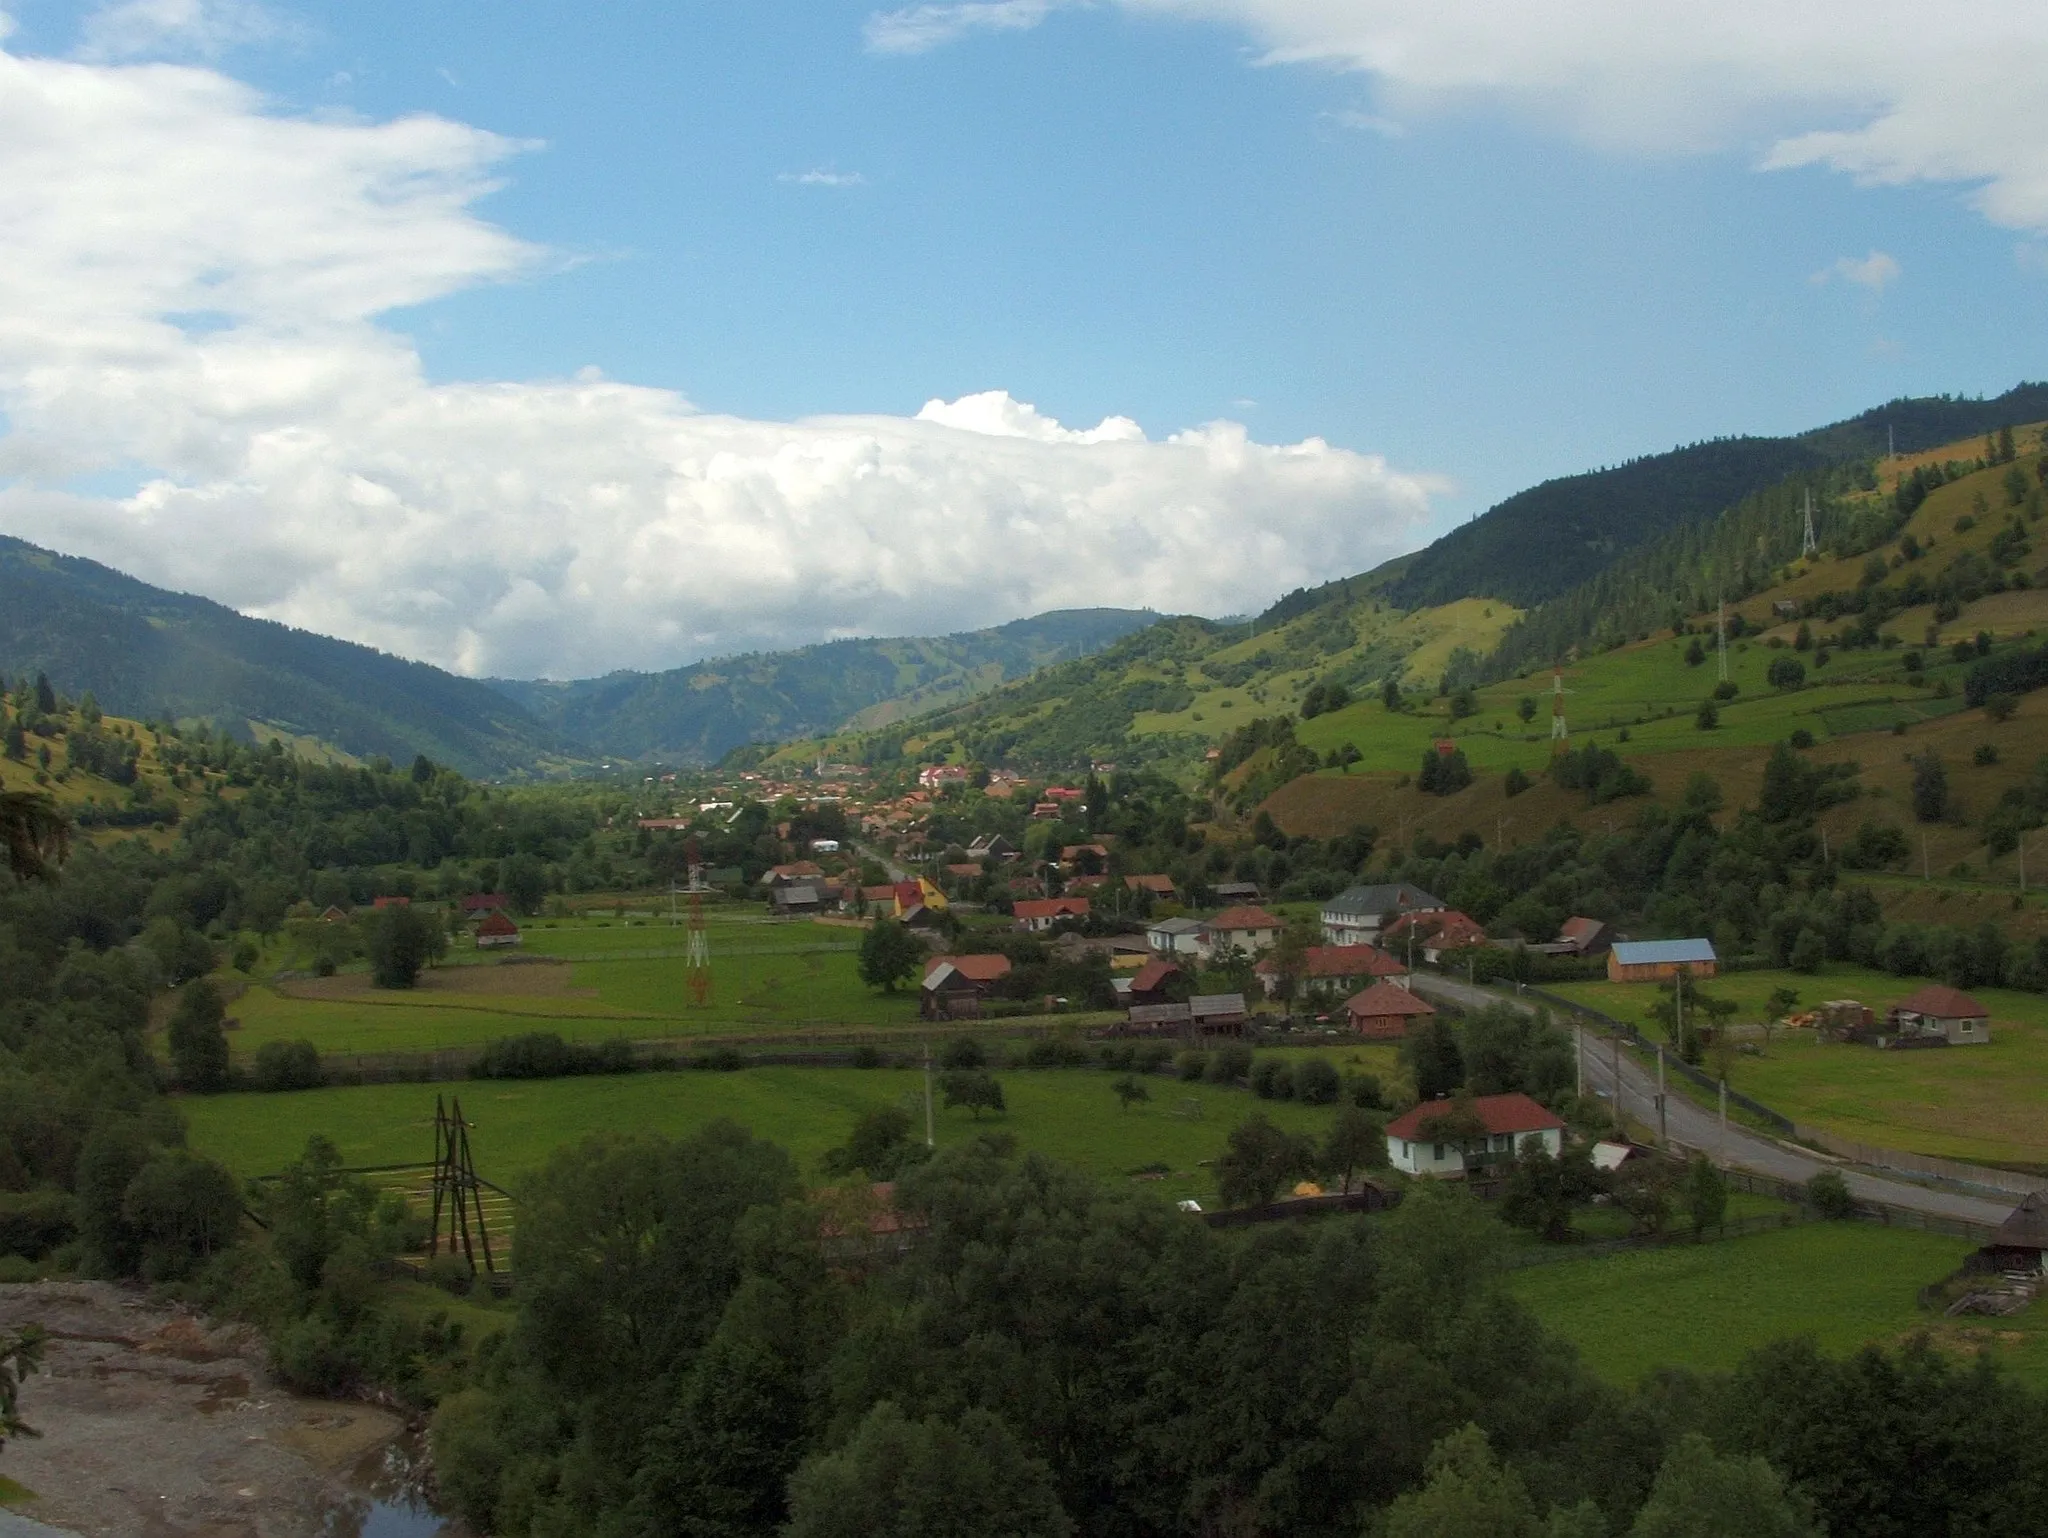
1250	930
1511	1122
1357	915
1177	937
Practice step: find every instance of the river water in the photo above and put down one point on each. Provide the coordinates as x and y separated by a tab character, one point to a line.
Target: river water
388	1498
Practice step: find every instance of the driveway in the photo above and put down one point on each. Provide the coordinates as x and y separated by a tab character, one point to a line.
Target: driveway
1735	1146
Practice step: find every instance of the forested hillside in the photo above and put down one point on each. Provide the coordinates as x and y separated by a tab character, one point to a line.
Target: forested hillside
696	714
1544	541
147	653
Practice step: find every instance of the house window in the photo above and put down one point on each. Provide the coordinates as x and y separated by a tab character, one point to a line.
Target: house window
1439	1152
1968	1026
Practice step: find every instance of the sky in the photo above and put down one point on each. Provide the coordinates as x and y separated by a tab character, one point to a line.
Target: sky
538	339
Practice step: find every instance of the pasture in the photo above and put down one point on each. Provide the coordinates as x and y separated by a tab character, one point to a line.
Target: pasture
1069	1114
1978	1103
1704	1306
587	980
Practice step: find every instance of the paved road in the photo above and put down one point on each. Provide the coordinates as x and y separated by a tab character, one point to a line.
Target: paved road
1738	1147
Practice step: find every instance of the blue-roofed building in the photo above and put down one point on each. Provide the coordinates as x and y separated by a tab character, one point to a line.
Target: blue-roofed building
1658	961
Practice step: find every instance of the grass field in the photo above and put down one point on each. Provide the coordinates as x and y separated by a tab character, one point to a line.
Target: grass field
1704	1306
1983	1103
1068	1113
615	978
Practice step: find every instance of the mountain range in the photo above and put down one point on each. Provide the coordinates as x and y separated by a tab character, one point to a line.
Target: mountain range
1054	688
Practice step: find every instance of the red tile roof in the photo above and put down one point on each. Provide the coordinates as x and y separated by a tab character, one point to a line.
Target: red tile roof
978	969
1160	885
1387	999
1944	1003
1242	918
1342	961
1497	1113
496	923
1580	930
1051	907
1148	977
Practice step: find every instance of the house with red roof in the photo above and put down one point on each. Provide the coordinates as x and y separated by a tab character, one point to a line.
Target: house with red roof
1251	930
1339	966
1436	934
1148	983
1385	1012
496	929
1039	914
1939	1013
1582	936
1157	885
1428	1139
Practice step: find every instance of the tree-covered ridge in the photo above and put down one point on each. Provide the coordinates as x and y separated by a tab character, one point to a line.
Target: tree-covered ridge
147	653
697	714
1542	542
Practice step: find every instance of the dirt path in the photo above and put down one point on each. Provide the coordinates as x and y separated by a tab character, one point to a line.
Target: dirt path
156	1425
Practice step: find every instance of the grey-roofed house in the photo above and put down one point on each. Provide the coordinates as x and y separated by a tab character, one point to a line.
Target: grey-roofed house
1658	961
1356	915
1177	937
1217	1011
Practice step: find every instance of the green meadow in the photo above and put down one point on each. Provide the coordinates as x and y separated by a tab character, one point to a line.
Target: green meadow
610	978
1704	1306
1070	1114
1980	1103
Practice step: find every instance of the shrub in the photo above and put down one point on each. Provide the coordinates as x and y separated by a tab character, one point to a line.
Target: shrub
1801	738
33	1223
1229	1064
1828	1194
1191	1065
1316	1082
1271	1080
867	1057
1515	781
963	1052
287	1065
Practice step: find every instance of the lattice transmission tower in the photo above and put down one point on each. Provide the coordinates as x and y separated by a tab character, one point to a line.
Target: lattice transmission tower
458	1192
1808	545
1559	732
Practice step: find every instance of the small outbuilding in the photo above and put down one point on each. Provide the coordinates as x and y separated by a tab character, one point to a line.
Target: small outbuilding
2021	1243
1939	1013
1385	1011
496	929
1581	936
1224	1012
1659	961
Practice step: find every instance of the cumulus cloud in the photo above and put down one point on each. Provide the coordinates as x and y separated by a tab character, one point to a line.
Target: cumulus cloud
129	29
823	178
1873	272
920	28
193	284
1867	88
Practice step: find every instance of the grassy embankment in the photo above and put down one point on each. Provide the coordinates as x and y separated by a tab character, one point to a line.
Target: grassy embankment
1703	1306
1980	1103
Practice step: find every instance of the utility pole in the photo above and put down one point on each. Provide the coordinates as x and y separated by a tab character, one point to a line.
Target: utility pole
1663	1128
1579	1061
1721	635
1620	1124
930	1140
1724	1116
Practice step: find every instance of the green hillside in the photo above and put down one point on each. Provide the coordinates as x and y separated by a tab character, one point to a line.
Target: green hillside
1544	541
1884	678
698	713
151	654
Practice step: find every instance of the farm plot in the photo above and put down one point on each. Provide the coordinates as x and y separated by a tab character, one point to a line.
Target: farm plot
1977	1103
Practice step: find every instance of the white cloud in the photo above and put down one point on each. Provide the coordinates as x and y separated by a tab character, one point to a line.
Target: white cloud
918	28
1873	272
192	283
821	177
129	29
1368	122
1878	89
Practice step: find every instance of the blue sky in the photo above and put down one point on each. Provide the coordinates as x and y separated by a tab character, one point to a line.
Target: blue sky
1118	211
